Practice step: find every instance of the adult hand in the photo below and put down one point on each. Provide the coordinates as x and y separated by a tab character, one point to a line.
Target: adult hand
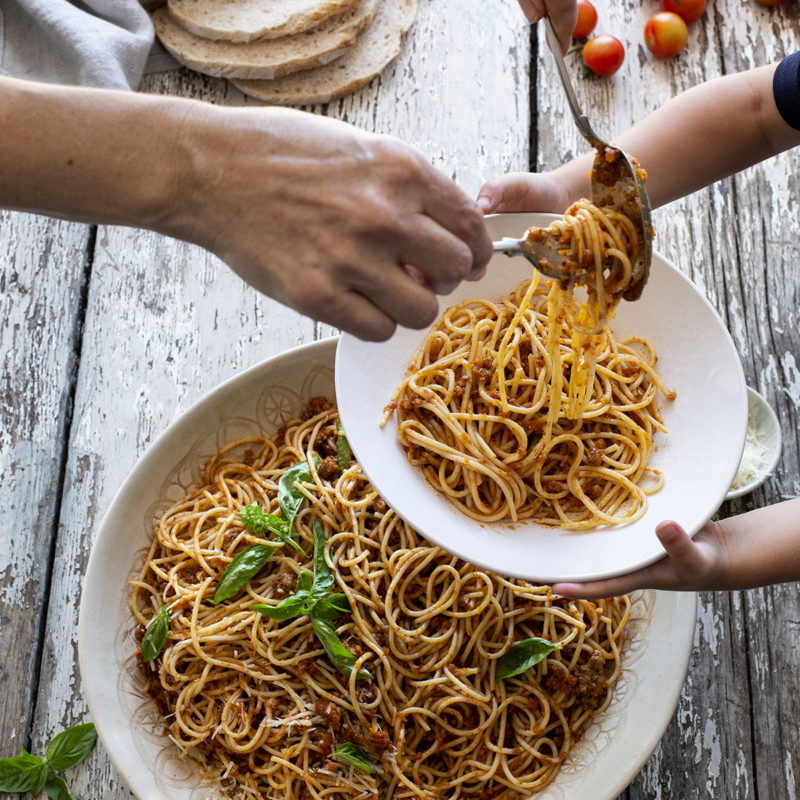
350	228
563	14
689	565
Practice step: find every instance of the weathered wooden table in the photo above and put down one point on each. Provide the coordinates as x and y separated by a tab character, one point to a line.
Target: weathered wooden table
108	334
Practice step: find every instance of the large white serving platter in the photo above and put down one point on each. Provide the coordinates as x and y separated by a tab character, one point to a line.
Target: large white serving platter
698	457
256	402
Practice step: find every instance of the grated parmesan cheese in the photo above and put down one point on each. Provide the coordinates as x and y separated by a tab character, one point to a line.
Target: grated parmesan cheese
752	459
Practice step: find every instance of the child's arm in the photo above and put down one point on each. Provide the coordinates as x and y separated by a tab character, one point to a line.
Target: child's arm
697	138
759	548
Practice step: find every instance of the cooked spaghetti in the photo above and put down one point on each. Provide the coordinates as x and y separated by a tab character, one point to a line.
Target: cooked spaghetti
262	704
529	408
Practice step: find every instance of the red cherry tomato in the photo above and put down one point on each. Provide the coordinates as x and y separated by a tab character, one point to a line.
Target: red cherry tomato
687	10
665	34
603	54
587	19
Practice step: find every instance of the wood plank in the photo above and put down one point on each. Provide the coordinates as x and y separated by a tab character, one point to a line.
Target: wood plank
43	267
721	237
166	321
767	334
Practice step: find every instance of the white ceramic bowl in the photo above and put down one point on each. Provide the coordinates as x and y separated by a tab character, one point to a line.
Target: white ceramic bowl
698	456
257	401
765	425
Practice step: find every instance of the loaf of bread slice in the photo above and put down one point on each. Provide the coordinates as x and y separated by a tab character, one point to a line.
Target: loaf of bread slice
378	44
268	58
248	20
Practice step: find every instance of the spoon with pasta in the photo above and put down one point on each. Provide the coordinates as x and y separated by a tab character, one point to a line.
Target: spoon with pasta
617	182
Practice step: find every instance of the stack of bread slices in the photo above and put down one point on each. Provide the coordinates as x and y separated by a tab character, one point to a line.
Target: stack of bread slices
287	52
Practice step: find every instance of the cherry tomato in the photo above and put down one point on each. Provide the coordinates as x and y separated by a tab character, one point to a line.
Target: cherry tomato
587	19
687	10
665	34
603	54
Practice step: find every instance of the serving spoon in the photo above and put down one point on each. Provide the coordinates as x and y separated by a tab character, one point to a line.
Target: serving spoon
616	181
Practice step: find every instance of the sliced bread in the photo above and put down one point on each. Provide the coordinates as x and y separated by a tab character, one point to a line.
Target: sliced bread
248	20
268	58
376	46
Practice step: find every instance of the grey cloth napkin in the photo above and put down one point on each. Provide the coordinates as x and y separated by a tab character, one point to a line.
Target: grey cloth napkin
87	42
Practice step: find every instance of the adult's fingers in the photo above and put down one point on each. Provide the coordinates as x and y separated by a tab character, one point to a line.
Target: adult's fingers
451	208
443	258
399	293
354	313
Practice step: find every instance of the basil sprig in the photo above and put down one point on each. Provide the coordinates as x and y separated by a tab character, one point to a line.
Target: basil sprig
355	755
28	773
244	566
523	655
312	597
156	634
343	452
249	562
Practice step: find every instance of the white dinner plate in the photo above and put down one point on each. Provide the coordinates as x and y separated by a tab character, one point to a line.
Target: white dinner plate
698	457
256	402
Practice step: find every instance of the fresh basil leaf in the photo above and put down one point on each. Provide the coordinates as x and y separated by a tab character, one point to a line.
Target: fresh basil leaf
289	608
332	607
522	656
353	754
246	565
156	634
56	787
257	521
343	452
323	574
22	773
71	746
290	498
340	656
304	582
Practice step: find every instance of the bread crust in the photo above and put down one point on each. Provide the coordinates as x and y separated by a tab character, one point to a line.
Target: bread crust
251	20
379	43
265	59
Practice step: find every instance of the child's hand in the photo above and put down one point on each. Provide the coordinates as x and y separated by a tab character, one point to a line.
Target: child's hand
689	564
524	191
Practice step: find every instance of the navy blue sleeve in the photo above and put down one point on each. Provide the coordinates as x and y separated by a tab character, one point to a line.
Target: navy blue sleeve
786	89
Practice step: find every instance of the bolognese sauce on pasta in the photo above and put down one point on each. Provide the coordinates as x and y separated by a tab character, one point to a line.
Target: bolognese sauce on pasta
357	659
529	408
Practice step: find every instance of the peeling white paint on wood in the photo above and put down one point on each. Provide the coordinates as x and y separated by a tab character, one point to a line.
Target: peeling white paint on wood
41	275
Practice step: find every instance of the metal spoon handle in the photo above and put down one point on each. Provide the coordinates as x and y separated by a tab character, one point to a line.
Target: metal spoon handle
580	119
507	244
